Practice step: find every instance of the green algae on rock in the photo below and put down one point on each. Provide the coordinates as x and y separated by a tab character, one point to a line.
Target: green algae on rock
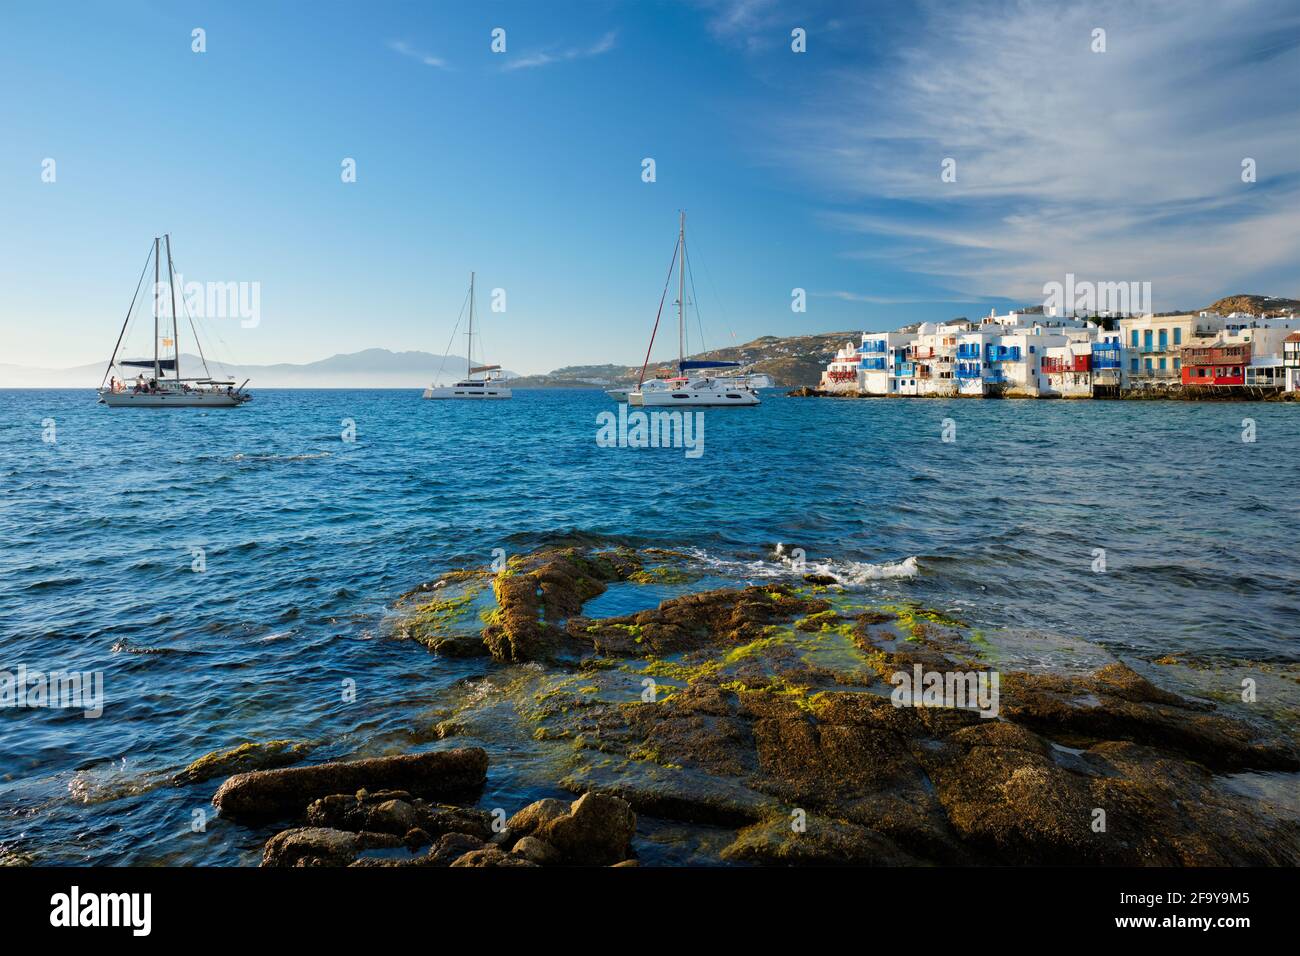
266	755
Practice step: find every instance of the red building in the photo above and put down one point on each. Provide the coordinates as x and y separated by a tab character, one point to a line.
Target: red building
1215	364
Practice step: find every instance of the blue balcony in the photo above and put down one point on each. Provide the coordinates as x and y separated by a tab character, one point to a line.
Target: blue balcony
1003	353
905	368
967	371
969	351
872	364
870	348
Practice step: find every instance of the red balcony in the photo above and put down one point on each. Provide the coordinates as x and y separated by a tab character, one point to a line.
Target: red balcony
1076	363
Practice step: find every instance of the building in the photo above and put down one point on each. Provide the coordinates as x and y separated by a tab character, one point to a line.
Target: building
1153	345
1248	353
1291	361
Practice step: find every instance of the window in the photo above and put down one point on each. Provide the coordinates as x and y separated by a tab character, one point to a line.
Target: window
1162	363
1164	339
1178	363
1178	336
1135	338
1146	340
1148	365
1134	362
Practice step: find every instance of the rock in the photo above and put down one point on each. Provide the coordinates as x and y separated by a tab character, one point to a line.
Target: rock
453	846
1116	703
491	856
821	579
596	831
626	863
537	591
536	815
823	841
536	851
415	838
392	816
721	618
269	793
243	758
311	846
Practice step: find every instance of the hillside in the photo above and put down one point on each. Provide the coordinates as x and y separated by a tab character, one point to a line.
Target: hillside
791	361
1253	304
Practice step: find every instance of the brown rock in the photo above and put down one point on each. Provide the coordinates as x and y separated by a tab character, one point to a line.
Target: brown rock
536	851
269	793
596	831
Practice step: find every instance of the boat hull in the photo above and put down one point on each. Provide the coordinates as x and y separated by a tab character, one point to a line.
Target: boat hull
170	400
675	398
467	394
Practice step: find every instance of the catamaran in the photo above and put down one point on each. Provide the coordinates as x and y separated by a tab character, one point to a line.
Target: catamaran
696	382
160	390
489	386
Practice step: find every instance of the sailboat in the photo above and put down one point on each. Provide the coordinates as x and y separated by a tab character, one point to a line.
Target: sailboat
694	384
161	390
489	386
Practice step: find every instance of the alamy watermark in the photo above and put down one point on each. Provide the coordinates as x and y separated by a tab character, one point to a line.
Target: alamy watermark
667	429
56	690
966	690
1092	298
219	300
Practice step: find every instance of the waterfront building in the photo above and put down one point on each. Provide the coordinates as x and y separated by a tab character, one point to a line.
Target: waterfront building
1291	361
1153	346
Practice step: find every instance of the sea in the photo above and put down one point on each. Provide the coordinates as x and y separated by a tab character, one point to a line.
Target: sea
227	571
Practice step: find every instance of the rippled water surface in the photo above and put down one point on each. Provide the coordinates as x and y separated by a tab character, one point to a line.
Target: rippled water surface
308	539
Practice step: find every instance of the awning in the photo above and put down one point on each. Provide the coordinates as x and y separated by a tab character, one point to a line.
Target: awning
149	363
685	365
484	368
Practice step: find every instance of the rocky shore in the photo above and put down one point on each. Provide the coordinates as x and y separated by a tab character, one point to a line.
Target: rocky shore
766	716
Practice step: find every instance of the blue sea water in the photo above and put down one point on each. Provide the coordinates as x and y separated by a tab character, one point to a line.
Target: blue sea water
308	539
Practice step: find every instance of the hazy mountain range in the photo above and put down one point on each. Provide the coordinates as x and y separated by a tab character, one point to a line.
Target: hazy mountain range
370	368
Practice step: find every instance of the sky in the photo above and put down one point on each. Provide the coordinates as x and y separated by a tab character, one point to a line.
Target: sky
818	170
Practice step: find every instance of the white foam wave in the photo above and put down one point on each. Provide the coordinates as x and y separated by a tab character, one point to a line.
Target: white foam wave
787	563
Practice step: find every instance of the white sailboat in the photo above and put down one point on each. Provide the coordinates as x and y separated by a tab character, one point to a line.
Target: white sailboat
488	387
694	384
161	390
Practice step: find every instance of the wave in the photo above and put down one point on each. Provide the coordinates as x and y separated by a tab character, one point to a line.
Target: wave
786	563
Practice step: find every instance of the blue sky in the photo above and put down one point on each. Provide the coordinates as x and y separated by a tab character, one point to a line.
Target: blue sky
818	170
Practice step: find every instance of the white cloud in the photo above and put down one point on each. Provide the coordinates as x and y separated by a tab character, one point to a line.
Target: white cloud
428	59
1123	165
545	58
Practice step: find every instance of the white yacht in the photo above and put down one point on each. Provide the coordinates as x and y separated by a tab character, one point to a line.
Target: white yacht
488	387
697	382
119	390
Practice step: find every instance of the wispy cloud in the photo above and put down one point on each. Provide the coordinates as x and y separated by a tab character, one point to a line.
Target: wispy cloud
1117	165
428	59
914	299
547	57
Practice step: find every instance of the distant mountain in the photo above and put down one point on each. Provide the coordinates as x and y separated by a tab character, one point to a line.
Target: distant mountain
1253	304
369	368
791	361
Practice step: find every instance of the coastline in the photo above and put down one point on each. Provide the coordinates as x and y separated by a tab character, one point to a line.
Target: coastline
765	721
1138	395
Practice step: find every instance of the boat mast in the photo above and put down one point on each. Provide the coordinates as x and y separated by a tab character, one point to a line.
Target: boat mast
171	283
157	374
681	294
469	336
